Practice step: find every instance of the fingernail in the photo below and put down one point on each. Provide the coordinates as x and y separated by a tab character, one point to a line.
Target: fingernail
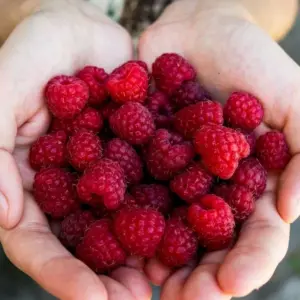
3	210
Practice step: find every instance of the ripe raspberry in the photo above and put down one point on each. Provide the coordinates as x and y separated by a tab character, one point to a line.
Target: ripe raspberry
53	190
61	125
192	183
161	109
190	92
189	119
100	249
129	202
213	221
84	148
121	152
168	154
49	151
179	244
155	196
251	139
74	226
170	70
272	150
103	182
252	175
128	82
140	63
133	123
66	96
243	110
139	230
221	149
95	79
108	109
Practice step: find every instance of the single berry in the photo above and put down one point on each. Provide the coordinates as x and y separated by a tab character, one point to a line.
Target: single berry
129	202
108	109
140	63
251	139
61	125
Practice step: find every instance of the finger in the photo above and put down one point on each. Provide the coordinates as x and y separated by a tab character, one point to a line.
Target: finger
156	271
262	244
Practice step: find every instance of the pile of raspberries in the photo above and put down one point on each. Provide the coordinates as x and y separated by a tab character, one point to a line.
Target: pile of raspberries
149	164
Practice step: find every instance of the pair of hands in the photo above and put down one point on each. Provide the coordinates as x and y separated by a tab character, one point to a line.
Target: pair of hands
229	53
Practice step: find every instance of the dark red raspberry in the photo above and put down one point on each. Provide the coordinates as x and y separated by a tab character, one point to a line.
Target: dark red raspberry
53	189
221	149
128	82
251	174
170	70
121	152
190	92
192	183
189	119
129	202
95	79
180	212
273	151
100	249
108	109
61	125
74	226
132	122
49	151
179	244
139	230
102	183
243	110
66	96
213	221
84	148
251	139
168	154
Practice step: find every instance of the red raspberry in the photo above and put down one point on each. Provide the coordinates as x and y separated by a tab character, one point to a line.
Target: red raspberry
170	70
221	149
128	82
161	109
84	148
139	230
140	63
100	249
155	196
213	221
192	183
121	152
189	119
66	96
190	92
129	202
61	125
49	151
251	139
53	190
179	244
251	174
132	122
74	226
272	150
168	154
108	109
95	79
103	183
243	110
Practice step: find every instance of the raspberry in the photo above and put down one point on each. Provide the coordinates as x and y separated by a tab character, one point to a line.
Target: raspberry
49	151
190	92
189	119
129	202
95	79
121	152
179	244
168	154
251	174
53	189
66	96
103	183
170	70
74	226
61	125
251	140
221	149
192	183
155	196
272	150
243	110
140	63
213	221
84	148
128	82
108	109
133	123
180	213
100	249
139	230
